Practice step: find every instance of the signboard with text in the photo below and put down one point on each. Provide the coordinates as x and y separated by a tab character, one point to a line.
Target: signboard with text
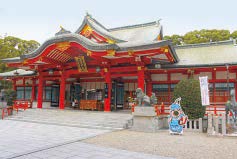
204	90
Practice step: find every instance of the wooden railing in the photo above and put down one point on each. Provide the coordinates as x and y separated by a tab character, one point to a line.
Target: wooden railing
6	111
22	104
215	108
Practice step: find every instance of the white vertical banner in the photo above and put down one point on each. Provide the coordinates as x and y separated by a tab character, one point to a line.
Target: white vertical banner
204	90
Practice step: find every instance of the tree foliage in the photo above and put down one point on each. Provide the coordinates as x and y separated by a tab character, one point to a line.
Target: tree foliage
189	91
234	34
10	96
201	36
12	47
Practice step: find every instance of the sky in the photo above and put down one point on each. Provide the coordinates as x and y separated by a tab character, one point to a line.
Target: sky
41	19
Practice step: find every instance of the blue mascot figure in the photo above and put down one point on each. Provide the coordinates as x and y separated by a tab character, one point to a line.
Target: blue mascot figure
177	119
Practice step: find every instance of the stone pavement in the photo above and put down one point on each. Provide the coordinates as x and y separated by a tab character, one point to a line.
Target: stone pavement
57	134
80	150
22	137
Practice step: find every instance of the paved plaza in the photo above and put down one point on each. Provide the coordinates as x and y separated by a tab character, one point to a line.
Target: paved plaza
25	136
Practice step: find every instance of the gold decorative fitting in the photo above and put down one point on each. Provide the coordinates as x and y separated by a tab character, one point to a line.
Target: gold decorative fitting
190	71
110	41
25	61
166	50
86	31
130	52
105	69
62	46
41	58
81	64
139	68
110	52
88	53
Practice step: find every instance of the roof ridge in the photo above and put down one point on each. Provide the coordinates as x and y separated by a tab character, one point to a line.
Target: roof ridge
204	44
90	17
135	26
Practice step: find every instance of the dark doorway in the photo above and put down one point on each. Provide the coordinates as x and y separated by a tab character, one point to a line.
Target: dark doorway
55	96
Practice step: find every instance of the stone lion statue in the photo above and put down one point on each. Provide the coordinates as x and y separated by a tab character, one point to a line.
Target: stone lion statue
232	105
142	98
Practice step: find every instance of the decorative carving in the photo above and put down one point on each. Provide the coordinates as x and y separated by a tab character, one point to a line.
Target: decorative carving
110	41
105	69
143	100
86	31
153	99
81	64
62	46
110	52
130	52
88	53
25	61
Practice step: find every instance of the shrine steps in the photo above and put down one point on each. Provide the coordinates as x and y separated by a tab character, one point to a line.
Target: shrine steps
75	118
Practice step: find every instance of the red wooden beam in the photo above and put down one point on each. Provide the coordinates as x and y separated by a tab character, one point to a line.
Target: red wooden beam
102	39
52	61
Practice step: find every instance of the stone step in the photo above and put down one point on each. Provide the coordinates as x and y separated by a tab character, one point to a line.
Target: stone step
87	119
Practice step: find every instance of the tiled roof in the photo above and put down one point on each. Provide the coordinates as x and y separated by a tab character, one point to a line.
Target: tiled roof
135	37
17	72
208	54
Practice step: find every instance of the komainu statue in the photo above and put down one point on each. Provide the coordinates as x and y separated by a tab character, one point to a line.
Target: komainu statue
232	105
143	100
177	119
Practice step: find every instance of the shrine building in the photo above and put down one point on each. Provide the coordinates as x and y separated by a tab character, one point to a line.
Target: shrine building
103	67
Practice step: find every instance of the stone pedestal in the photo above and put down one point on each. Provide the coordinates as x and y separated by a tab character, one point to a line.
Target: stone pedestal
223	122
210	129
145	119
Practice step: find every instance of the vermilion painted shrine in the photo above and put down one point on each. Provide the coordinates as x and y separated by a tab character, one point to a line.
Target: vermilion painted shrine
105	66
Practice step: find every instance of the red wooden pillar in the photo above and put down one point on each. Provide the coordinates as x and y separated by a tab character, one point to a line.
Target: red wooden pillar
62	92
40	92
169	87
140	77
33	90
236	88
108	83
214	85
148	88
24	85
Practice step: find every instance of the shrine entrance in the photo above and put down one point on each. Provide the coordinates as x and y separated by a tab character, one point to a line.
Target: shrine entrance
54	96
117	99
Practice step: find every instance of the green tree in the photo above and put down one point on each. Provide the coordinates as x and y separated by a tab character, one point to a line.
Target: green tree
189	91
12	47
234	34
176	39
10	96
201	36
204	36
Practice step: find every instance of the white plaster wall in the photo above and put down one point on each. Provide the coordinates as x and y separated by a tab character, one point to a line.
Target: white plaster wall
223	75
19	82
209	74
29	81
178	76
159	77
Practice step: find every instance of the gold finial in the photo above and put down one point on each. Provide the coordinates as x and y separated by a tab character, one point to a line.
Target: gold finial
61	27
